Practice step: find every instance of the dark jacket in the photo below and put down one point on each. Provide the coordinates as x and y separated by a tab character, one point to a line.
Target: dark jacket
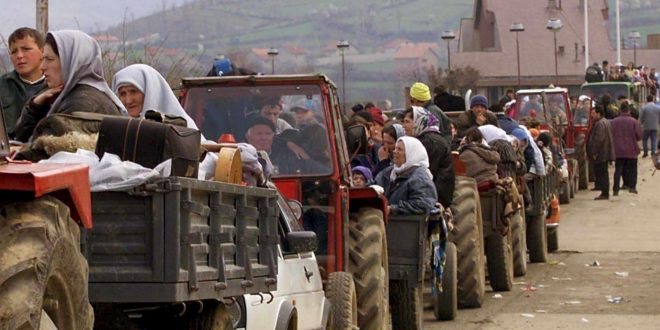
626	131
412	192
13	95
445	122
600	147
468	119
448	102
441	165
82	98
480	162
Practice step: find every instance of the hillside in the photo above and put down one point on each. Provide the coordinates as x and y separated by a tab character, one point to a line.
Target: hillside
224	24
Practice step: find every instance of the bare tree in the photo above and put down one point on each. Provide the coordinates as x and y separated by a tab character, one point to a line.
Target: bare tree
458	80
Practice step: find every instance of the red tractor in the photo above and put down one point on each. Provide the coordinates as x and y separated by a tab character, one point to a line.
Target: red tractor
362	267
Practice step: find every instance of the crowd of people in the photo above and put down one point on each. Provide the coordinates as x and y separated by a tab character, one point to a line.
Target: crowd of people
628	73
407	155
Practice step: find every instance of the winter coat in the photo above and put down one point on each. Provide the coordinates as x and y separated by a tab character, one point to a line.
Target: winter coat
441	165
480	162
448	102
445	122
13	95
506	123
650	117
468	119
412	192
626	131
82	98
600	147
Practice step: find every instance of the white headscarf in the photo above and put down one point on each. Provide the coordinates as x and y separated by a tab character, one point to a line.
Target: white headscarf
537	167
157	92
492	133
416	156
80	63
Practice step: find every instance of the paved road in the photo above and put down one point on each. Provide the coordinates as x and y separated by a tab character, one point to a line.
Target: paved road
622	235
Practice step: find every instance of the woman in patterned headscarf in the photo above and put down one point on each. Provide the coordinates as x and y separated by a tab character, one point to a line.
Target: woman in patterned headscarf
407	183
423	125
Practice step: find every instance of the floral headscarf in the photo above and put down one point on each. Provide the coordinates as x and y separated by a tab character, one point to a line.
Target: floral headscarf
424	121
416	156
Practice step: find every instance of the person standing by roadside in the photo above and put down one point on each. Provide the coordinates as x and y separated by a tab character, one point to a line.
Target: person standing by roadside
26	50
420	96
650	118
626	132
600	150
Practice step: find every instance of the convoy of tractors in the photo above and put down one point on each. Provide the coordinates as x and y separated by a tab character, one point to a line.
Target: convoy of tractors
303	251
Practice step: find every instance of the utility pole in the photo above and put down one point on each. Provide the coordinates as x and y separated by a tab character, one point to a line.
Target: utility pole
42	16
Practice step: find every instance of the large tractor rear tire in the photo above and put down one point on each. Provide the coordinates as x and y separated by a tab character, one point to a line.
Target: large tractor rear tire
41	268
214	317
499	257
445	306
537	240
468	239
368	264
340	290
407	310
519	243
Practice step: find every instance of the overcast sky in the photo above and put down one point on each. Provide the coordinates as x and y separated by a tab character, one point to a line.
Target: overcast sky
88	15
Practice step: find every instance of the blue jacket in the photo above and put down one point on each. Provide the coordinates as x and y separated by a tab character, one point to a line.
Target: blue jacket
413	192
506	123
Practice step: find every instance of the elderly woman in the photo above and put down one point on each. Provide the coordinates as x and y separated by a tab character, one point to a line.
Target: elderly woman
408	184
480	160
141	88
74	74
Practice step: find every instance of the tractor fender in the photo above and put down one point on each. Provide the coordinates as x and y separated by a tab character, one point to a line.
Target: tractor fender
287	313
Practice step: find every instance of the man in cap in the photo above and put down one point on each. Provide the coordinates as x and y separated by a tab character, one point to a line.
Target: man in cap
477	115
261	134
420	96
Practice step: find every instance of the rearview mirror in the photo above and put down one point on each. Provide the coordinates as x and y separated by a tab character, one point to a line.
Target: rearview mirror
301	241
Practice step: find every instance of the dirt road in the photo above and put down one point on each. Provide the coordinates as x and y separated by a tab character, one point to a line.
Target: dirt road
605	276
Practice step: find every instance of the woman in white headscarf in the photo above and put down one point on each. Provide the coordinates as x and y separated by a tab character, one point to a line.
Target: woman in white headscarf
73	69
141	88
408	183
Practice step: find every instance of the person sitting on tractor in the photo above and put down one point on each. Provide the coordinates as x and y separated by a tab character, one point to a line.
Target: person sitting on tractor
391	133
261	134
141	88
582	111
74	73
422	124
479	159
361	176
408	184
420	96
477	115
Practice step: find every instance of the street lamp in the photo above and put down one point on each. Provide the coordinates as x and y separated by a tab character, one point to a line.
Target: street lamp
554	25
517	27
634	36
448	36
343	46
272	52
